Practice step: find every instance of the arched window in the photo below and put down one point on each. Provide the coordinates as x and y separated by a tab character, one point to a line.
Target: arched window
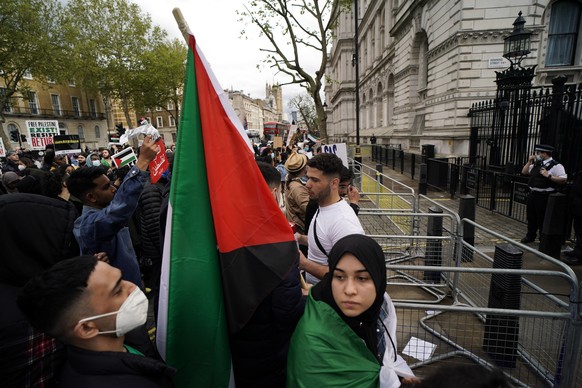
97	132
419	58
390	100
371	123
563	33
379	106
81	132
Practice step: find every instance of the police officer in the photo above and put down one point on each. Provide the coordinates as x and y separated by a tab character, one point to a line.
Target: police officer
545	174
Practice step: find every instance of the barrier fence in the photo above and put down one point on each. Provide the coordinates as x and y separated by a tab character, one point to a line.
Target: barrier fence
465	300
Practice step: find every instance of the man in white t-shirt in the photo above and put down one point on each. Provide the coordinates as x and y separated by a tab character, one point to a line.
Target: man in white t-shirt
334	219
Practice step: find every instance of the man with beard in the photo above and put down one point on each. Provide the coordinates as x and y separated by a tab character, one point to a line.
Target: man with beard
333	220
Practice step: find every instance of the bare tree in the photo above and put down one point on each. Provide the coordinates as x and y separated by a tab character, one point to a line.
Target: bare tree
295	29
303	104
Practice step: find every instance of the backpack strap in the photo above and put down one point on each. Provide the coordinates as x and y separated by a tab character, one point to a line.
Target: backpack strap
315	235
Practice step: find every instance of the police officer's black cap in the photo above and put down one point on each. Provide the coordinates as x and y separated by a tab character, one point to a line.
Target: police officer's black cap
544	148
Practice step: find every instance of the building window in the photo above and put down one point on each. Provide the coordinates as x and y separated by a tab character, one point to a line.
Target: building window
7	108
33	102
56	104
159	121
172	121
97	132
13	133
93	108
27	75
72	83
174	137
563	33
170	106
81	132
149	119
76	108
158	108
62	128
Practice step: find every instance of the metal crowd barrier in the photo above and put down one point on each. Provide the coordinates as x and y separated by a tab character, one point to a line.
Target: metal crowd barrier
461	302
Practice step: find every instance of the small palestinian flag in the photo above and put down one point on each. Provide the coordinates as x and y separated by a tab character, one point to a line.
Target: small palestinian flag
125	157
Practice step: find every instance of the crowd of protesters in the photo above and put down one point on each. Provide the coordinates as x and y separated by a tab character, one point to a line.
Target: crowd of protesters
94	259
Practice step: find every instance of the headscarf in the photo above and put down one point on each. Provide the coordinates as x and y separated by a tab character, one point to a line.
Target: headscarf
370	254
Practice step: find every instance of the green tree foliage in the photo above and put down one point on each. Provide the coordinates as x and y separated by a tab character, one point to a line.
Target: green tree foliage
162	80
109	41
297	29
30	43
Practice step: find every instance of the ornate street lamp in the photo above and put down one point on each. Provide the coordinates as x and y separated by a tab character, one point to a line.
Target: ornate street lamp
513	89
517	44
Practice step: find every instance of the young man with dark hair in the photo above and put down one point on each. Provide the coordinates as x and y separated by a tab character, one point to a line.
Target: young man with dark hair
333	220
102	227
86	304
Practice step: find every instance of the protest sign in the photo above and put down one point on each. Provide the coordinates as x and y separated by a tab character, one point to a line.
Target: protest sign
2	149
339	149
67	144
159	164
41	133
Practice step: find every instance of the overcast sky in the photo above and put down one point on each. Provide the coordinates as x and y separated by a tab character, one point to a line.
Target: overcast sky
215	25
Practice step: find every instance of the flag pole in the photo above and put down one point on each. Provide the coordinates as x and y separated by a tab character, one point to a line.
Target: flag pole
182	25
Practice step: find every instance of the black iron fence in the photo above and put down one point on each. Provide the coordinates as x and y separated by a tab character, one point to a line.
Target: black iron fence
51	113
499	191
504	130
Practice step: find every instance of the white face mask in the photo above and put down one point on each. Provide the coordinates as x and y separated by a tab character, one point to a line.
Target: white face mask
21	167
96	163
538	157
132	313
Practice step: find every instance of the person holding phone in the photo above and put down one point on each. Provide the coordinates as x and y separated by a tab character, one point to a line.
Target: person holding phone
545	175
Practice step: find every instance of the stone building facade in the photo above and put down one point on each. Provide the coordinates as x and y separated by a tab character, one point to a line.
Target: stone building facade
77	111
423	63
256	111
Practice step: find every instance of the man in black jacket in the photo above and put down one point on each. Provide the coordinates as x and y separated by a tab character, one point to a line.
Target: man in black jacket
86	304
37	233
11	164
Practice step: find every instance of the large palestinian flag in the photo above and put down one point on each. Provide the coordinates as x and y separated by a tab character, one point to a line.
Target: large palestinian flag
227	242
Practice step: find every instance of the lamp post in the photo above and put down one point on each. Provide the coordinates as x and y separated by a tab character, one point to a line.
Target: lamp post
513	88
356	63
517	44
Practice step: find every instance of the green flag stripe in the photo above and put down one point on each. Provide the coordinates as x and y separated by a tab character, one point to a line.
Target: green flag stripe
196	336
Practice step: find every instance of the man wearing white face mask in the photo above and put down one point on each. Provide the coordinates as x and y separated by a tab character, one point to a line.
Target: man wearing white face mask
86	304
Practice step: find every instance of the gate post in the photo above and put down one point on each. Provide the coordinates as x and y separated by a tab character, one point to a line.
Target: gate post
433	255
552	234
467	210
422	182
501	335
